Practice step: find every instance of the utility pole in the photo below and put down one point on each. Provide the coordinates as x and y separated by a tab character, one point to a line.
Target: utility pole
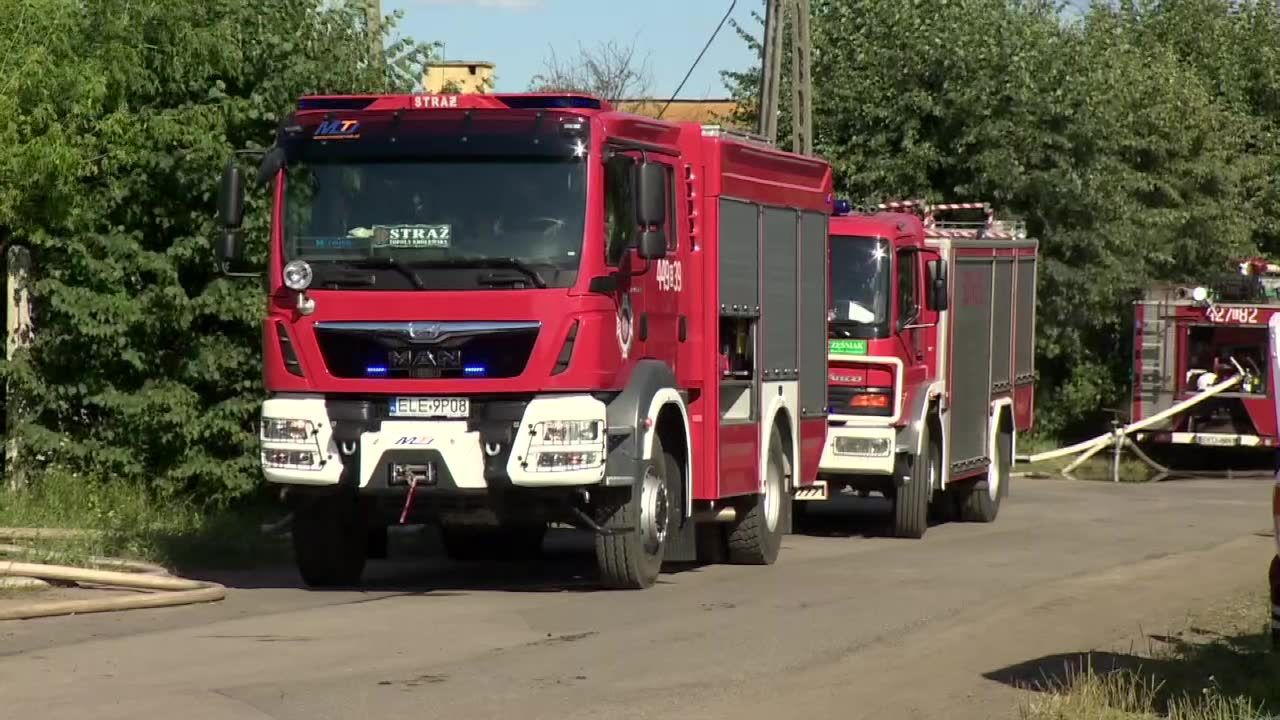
373	23
775	18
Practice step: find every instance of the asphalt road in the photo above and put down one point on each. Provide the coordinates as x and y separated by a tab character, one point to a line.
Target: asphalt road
846	625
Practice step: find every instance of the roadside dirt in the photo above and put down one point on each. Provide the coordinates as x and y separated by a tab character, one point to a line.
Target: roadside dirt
846	625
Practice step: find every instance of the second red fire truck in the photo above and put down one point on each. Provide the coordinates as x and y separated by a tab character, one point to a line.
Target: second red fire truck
932	359
496	312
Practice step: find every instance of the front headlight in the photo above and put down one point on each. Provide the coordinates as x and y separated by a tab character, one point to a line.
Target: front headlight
297	275
286	430
568	432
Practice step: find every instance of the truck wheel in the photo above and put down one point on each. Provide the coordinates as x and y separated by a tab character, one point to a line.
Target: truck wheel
756	536
330	540
980	502
911	502
477	544
632	559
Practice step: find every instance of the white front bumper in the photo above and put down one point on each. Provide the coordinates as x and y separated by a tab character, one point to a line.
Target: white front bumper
461	450
844	463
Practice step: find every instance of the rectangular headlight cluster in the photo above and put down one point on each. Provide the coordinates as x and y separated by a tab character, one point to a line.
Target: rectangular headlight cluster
566	445
567	432
284	430
866	447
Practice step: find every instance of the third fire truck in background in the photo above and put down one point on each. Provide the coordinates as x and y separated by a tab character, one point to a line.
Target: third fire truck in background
932	359
1190	337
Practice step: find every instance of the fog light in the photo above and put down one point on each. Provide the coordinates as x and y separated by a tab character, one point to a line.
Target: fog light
290	459
873	447
565	461
287	430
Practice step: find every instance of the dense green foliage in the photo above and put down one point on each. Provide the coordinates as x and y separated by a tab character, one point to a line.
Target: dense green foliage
1138	141
117	118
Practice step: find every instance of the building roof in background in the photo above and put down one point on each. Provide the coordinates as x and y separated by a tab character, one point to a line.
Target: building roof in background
701	111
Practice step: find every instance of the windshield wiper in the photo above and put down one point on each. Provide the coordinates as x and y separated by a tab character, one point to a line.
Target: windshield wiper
511	263
386	262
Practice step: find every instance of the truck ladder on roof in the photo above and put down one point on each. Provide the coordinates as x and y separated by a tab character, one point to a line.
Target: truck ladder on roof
987	229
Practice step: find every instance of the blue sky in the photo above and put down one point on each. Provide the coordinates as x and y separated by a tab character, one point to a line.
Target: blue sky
516	35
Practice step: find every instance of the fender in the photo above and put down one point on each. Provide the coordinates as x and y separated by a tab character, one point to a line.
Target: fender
911	434
651	387
768	420
997	407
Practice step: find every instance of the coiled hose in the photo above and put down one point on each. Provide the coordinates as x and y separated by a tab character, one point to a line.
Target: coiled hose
161	589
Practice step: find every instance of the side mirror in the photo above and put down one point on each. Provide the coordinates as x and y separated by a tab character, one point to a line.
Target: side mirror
938	296
231	197
653	244
651	200
230	219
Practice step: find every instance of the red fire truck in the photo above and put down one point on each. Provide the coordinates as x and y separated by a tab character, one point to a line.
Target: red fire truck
932	362
496	312
1189	338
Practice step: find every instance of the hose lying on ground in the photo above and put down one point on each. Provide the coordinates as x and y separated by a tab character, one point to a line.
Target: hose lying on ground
1109	437
165	589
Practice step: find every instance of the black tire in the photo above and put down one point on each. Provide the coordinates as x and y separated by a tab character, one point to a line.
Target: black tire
976	501
911	501
506	543
330	540
753	539
632	558
379	543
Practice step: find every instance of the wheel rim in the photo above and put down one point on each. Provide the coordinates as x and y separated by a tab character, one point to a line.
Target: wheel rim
653	511
772	494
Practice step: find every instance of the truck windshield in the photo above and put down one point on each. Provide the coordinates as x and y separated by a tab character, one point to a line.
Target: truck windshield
859	285
472	223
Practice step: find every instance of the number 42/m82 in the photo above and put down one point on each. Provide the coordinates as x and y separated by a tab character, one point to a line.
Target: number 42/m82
1240	315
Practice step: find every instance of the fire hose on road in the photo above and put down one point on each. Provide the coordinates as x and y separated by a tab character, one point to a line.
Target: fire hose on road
1119	437
160	589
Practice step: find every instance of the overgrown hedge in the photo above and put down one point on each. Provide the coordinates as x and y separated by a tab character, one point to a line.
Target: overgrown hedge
116	118
1139	141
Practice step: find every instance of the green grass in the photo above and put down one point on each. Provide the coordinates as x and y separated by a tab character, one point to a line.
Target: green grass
1219	668
128	522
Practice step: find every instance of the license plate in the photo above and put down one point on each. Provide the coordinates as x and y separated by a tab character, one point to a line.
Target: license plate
1216	439
431	407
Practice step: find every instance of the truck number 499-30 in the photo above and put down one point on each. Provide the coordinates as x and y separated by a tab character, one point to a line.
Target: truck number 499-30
670	277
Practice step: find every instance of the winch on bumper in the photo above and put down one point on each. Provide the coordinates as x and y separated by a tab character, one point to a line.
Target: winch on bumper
550	441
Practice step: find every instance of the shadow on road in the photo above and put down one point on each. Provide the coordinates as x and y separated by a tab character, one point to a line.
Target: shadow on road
1193	666
417	565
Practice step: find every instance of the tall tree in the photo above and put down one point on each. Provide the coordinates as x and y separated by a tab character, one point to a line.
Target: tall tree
611	70
1131	149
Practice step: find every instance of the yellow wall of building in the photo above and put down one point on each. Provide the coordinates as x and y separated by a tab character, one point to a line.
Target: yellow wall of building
458	77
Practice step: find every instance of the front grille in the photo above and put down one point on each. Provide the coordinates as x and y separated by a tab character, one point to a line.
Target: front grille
426	350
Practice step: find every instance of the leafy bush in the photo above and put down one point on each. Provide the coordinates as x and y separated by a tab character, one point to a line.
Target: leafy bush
118	119
1138	142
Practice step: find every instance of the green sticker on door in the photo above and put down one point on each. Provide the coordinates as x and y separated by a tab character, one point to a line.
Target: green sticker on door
848	347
